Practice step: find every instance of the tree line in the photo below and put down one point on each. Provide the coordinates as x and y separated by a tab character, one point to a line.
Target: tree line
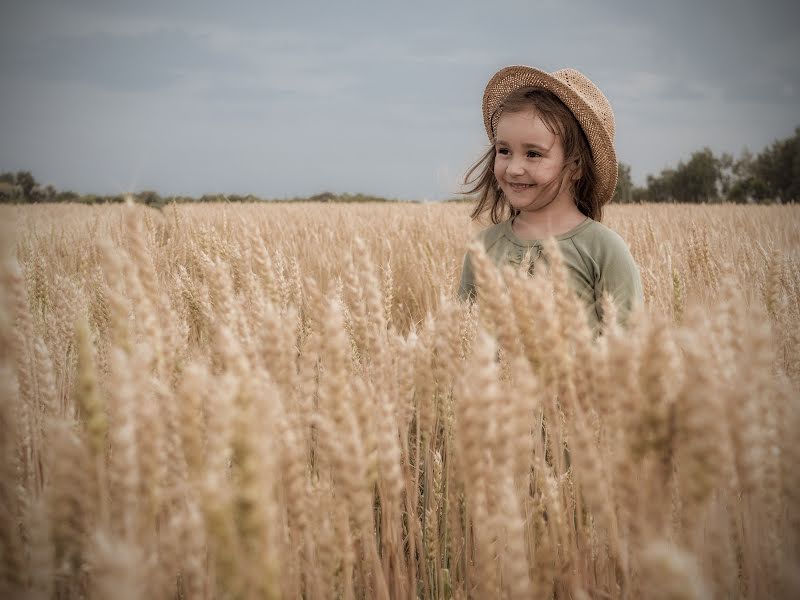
771	176
21	188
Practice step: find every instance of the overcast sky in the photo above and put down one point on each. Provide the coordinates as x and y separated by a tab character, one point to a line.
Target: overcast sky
293	98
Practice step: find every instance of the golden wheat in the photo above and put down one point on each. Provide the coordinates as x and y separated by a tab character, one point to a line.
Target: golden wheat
283	401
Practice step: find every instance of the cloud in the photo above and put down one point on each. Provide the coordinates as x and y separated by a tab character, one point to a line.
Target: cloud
136	62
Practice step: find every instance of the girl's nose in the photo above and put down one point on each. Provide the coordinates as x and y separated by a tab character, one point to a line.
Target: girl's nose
515	168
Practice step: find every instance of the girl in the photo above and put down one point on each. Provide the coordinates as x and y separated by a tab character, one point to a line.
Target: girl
553	167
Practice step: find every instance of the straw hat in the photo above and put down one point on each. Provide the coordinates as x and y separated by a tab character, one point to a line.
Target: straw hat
590	107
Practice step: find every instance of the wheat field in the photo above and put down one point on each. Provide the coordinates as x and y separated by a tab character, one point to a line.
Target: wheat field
287	401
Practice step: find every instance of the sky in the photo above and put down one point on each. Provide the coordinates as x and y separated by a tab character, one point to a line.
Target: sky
284	99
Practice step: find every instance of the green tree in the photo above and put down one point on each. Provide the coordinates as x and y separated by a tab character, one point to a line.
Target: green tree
777	170
696	180
773	175
639	194
661	188
67	196
743	184
624	191
726	174
150	198
25	180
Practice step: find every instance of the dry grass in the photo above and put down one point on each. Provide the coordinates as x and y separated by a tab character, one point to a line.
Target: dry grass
287	401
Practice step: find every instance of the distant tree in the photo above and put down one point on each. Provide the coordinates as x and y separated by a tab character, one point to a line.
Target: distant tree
37	194
212	198
150	198
66	196
696	180
773	175
727	165
323	197
661	188
9	192
624	191
7	178
777	170
639	194
743	186
42	193
25	180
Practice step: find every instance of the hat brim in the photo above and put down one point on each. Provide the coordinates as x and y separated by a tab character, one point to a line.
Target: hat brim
601	144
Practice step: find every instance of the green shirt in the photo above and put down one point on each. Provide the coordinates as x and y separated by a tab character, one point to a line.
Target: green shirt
597	260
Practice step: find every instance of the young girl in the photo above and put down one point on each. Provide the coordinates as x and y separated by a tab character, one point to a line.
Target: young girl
553	167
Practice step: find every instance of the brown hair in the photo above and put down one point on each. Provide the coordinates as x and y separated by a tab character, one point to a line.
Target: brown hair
560	121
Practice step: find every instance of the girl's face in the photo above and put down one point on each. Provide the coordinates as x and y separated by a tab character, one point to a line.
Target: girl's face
529	160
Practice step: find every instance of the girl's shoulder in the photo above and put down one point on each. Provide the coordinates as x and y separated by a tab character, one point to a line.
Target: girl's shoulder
600	241
601	232
489	236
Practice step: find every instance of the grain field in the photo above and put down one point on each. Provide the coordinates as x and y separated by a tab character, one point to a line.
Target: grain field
288	401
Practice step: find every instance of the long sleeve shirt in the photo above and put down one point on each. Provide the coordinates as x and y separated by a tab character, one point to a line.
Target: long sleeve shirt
597	260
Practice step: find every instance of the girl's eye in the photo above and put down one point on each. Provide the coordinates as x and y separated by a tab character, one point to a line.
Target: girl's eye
532	154
502	150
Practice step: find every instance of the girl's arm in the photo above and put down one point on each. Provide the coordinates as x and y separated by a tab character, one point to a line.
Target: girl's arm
619	277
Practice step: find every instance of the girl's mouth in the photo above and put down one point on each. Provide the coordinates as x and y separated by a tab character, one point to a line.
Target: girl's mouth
520	186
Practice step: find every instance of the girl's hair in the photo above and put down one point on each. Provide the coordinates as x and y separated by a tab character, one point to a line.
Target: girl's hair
560	121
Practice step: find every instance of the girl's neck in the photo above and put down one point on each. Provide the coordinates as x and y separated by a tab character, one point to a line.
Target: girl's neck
544	223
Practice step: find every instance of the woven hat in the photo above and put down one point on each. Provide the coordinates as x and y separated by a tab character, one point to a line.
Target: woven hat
590	107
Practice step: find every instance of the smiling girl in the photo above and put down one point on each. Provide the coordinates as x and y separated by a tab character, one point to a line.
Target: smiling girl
549	171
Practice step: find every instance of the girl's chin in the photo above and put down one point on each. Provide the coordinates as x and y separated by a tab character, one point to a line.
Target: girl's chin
518	200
